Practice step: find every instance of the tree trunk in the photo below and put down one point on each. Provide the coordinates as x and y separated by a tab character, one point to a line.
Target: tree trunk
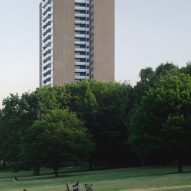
179	165
36	171
142	162
56	172
91	163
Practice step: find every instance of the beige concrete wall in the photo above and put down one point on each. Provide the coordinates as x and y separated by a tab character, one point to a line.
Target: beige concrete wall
63	41
104	40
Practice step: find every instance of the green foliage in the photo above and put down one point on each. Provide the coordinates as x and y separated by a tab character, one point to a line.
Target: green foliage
50	98
161	121
60	138
103	107
149	121
111	131
18	114
83	102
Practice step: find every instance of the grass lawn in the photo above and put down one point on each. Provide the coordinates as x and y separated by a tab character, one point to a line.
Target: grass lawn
136	179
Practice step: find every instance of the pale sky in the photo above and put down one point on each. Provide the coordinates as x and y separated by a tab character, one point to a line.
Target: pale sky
148	32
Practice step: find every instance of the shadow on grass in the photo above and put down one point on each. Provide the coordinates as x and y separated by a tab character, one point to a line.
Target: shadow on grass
110	174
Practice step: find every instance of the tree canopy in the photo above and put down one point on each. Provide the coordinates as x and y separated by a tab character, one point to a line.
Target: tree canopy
100	124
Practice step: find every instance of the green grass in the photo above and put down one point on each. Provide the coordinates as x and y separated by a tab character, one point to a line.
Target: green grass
135	179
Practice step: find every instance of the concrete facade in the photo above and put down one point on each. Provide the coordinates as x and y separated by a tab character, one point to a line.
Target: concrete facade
104	40
77	41
63	42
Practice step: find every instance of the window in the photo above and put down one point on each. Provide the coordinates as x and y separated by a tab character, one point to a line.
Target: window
80	53
47	80
46	67
80	4
80	46
47	73
47	52
80	60
80	39
80	32
80	18
81	25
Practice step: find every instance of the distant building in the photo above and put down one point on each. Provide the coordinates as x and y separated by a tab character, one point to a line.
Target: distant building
76	41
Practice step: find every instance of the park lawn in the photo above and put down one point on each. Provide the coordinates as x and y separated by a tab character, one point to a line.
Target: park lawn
135	179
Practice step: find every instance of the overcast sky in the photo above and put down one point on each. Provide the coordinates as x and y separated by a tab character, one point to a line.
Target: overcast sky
148	32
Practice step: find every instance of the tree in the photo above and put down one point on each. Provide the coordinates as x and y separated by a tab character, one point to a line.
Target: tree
104	107
59	138
83	102
161	121
50	98
176	134
186	69
149	78
111	130
176	131
166	69
19	112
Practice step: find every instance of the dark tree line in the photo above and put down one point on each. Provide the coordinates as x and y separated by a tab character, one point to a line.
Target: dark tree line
101	124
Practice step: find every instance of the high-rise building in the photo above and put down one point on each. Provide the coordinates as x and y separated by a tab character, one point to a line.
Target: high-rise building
76	41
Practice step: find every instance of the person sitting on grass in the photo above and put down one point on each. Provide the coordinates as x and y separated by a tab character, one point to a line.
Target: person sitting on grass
88	187
76	187
67	187
15	178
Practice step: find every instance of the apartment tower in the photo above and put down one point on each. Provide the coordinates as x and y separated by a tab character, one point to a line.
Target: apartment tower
76	41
